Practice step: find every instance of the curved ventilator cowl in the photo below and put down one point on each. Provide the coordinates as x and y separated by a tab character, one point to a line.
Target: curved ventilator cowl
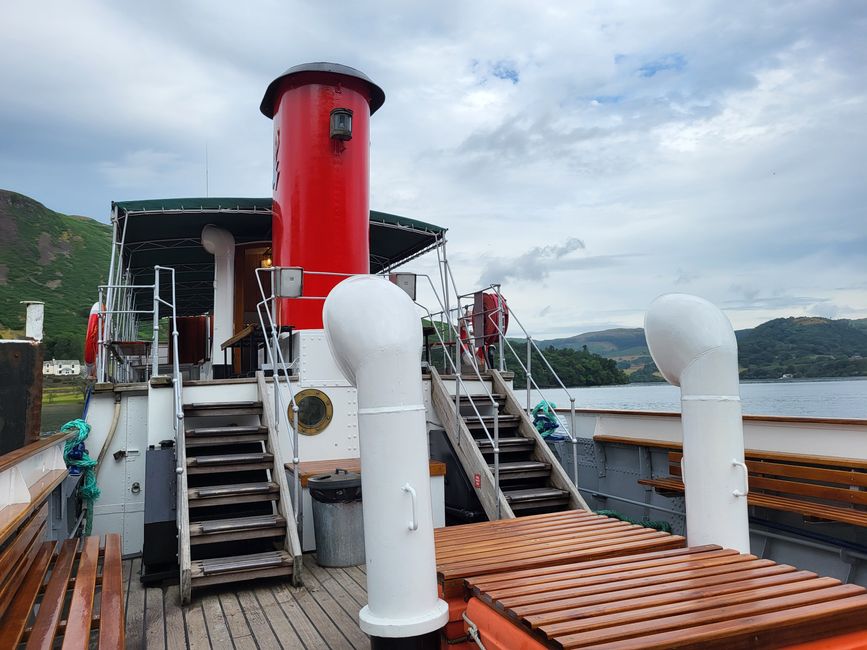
374	333
694	347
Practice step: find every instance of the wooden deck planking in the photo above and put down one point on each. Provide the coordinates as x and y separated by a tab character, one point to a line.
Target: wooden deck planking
322	615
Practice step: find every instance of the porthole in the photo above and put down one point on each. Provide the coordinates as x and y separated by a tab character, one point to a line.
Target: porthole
314	411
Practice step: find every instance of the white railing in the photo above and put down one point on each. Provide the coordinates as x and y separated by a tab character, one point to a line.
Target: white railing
120	324
182	511
497	318
271	336
459	384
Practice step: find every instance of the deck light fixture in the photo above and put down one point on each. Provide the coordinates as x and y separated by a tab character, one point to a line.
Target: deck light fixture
288	282
266	260
341	124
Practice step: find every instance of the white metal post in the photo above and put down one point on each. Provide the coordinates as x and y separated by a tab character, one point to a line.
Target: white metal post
529	374
155	346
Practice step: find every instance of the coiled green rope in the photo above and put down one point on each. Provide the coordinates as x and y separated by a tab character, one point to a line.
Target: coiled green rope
661	525
88	489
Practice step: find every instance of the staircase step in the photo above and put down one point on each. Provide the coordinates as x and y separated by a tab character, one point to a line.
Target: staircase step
235	430
507	445
207	409
536	498
481	399
235	568
216	441
225	530
524	469
505	422
218	495
230	462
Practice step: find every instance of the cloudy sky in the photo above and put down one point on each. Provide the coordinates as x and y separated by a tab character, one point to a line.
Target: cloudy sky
588	155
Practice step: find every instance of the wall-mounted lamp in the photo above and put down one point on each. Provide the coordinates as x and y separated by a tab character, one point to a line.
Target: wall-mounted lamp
341	124
266	261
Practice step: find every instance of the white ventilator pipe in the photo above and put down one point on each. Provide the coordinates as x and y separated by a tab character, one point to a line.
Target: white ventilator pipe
694	347
221	244
375	335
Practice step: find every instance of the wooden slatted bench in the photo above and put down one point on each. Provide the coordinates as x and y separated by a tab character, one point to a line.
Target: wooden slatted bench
703	597
536	541
52	594
68	593
831	489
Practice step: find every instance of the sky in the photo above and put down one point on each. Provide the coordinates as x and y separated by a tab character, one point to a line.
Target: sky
589	156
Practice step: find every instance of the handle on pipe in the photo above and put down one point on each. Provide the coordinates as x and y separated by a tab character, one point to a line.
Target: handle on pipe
743	467
413	524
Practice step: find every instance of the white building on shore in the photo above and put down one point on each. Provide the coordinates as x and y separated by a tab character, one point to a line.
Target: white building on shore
61	367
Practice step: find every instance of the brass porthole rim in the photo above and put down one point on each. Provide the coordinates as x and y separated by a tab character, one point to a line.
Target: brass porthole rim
322	424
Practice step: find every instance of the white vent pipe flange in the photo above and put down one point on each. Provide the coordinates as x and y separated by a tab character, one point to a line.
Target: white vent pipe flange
375	335
694	347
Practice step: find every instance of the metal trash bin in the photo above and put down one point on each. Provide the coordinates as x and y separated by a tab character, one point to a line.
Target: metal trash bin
337	520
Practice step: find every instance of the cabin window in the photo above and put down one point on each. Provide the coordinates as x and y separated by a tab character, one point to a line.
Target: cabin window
315	411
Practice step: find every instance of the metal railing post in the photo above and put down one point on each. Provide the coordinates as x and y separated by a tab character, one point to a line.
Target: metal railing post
529	373
155	351
574	436
100	347
497	458
500	329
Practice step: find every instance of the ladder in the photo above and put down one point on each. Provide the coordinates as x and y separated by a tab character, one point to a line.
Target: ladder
241	524
531	481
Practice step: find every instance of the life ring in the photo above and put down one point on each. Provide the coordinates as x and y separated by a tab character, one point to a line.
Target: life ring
91	339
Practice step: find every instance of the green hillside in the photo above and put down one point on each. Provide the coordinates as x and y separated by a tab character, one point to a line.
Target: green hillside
804	347
53	257
801	347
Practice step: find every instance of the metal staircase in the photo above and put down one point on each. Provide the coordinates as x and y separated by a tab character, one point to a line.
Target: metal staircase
240	524
526	479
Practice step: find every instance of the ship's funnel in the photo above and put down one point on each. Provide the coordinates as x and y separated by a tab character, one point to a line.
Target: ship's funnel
375	335
694	347
321	177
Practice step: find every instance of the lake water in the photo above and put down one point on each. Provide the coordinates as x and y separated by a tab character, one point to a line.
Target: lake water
832	398
55	416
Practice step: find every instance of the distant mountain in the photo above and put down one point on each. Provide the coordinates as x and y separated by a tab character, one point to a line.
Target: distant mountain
57	258
800	347
804	347
626	346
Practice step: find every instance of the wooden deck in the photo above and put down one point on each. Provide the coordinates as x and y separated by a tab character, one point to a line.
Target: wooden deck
265	614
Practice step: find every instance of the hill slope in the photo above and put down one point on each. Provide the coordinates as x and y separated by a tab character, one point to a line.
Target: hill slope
801	347
53	257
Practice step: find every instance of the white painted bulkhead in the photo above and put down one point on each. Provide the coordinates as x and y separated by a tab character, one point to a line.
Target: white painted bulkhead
120	507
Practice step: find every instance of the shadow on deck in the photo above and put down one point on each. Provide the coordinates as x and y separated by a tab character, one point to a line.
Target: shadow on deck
264	614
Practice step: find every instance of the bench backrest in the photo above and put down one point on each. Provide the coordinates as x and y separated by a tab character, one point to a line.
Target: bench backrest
841	484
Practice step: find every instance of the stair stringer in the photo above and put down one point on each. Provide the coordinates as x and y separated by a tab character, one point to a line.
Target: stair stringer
559	479
467	452
292	542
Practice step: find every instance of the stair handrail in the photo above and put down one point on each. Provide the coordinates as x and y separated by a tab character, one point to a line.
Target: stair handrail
279	366
531	345
182	511
459	384
573	436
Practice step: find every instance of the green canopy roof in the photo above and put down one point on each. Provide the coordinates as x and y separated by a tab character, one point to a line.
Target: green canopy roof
167	232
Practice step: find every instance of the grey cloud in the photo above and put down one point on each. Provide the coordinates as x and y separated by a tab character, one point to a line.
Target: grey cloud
535	264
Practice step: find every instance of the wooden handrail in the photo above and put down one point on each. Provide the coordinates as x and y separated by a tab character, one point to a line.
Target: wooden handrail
18	455
758	454
749	418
